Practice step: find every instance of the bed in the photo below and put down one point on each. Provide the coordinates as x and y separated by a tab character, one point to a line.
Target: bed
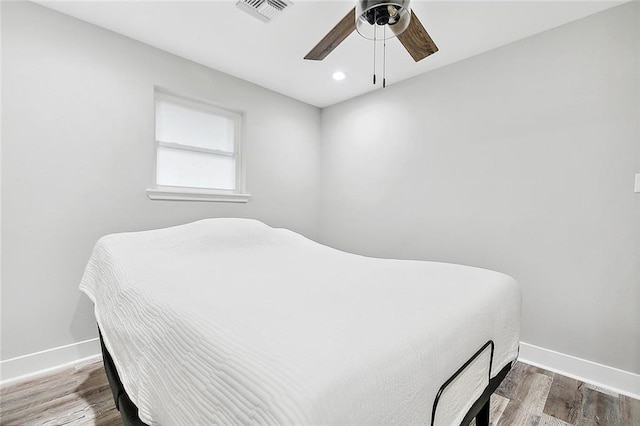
230	321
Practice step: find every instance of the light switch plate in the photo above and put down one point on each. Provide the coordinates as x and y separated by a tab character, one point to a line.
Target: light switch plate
637	182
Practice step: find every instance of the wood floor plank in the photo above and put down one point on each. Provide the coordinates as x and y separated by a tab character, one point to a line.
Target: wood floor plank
547	420
599	409
533	369
565	399
507	388
629	411
498	405
603	390
530	397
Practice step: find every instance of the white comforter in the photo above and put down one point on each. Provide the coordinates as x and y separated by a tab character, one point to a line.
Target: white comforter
229	321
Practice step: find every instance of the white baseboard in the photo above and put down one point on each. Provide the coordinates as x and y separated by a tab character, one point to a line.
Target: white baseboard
613	379
31	365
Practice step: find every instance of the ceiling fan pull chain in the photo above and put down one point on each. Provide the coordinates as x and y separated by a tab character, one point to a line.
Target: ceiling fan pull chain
384	57
374	50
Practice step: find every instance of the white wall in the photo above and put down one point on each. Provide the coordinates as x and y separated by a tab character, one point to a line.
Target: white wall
521	160
78	154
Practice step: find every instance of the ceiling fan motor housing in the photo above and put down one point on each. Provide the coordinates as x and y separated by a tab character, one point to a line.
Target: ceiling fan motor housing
395	14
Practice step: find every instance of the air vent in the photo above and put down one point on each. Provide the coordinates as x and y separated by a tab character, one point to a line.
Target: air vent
265	10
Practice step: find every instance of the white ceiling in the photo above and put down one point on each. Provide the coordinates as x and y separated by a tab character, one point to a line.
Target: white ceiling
221	36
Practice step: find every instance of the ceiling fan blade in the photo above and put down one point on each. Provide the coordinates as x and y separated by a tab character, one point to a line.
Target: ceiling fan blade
416	40
336	36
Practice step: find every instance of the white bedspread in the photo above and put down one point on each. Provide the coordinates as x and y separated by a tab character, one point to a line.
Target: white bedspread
230	321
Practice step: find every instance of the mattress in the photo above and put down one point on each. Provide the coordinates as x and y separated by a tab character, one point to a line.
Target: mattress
230	321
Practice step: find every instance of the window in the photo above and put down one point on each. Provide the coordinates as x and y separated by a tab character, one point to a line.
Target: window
198	154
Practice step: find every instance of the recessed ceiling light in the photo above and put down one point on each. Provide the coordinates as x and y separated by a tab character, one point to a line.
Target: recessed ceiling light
339	75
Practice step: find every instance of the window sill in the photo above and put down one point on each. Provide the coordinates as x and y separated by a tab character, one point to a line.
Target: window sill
196	195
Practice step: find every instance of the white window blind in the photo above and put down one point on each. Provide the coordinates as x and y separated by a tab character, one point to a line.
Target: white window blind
197	146
188	126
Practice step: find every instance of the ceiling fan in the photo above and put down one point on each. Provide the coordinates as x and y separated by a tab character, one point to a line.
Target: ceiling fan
367	17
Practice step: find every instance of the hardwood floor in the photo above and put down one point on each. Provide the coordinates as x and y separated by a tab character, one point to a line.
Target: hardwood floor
528	396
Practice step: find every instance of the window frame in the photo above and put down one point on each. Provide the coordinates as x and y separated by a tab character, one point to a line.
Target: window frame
168	192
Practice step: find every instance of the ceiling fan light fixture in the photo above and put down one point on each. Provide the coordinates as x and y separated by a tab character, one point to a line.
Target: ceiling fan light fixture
396	14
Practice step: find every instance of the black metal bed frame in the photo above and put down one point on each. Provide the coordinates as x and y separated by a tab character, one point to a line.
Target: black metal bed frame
481	407
128	410
479	410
